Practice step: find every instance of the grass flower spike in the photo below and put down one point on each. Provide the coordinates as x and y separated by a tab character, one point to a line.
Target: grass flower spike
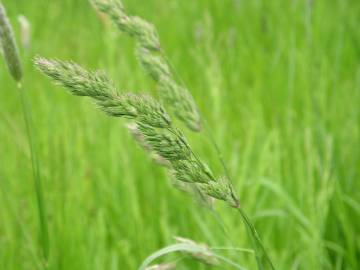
9	47
153	124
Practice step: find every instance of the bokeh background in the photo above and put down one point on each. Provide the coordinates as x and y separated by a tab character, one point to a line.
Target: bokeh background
279	84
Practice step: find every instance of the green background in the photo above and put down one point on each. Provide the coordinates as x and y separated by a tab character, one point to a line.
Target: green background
279	84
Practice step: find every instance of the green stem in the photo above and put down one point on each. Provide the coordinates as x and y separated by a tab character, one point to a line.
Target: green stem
44	237
262	258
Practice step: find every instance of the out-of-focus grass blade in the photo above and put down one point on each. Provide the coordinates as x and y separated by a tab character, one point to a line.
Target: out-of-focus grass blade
183	247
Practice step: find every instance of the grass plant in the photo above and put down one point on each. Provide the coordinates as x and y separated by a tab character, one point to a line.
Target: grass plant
278	86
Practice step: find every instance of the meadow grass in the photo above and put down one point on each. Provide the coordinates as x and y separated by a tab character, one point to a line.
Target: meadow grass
277	80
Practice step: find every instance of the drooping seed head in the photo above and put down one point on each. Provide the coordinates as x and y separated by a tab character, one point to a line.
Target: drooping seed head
153	125
205	255
9	48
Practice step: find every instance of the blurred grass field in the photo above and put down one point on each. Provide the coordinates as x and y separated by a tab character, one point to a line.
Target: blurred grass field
278	82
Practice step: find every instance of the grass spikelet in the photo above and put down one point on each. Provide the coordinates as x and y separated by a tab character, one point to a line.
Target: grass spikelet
9	47
140	139
220	190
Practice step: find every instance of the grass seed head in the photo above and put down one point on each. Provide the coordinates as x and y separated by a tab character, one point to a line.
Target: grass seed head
77	79
153	125
205	256
9	48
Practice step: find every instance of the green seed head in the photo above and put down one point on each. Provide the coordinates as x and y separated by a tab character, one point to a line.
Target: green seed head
8	45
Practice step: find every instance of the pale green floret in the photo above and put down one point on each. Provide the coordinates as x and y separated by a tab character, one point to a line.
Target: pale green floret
192	171
169	144
8	45
220	190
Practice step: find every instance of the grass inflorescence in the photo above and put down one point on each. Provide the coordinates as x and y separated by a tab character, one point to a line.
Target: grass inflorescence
151	119
9	48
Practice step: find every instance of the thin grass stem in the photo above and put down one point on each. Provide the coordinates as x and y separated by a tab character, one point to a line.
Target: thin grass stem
44	233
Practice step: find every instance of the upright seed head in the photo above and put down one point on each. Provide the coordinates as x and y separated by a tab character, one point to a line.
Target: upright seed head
8	45
25	32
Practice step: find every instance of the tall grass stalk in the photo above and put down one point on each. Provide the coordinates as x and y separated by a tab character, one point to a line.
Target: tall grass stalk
13	62
44	231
